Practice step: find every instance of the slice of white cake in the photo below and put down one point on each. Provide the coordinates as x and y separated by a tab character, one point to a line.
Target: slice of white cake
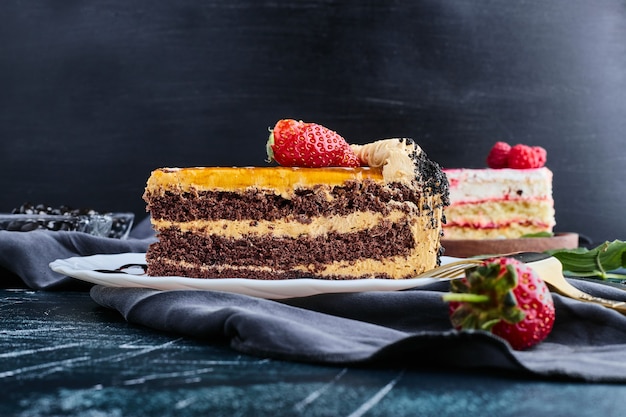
499	203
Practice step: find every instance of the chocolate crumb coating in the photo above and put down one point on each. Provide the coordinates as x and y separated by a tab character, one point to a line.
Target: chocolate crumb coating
433	179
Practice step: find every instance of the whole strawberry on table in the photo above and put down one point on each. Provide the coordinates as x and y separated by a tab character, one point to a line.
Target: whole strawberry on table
507	298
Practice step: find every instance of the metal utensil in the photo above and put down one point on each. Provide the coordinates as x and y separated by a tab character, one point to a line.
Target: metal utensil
548	267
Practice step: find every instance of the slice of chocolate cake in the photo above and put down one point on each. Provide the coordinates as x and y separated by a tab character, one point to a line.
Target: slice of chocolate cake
382	220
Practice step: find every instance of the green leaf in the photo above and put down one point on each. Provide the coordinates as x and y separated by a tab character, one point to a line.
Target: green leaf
539	234
596	262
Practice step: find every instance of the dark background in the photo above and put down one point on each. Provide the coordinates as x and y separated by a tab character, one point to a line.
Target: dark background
96	94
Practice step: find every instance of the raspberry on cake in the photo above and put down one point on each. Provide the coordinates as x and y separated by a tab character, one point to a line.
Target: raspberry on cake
381	220
495	203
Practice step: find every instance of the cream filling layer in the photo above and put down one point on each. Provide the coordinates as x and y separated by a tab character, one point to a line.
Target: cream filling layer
319	226
501	214
511	231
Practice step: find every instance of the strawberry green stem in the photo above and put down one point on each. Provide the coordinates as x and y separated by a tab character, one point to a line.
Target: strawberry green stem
466	297
489	324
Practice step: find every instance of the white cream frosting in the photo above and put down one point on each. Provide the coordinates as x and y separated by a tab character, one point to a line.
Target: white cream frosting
393	155
477	185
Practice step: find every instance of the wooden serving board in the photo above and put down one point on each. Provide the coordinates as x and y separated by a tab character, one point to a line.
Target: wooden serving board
464	248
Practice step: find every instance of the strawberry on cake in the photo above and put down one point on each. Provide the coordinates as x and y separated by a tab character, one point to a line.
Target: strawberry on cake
510	199
330	211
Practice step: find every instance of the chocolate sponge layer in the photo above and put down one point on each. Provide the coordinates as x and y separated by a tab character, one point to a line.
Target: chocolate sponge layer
279	254
257	205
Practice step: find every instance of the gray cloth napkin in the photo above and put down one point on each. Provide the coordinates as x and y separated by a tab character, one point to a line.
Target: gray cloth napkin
27	255
405	328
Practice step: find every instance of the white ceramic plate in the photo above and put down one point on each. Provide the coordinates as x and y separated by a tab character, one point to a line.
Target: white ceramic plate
89	268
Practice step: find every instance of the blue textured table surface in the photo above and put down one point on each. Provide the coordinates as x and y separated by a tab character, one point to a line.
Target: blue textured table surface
61	354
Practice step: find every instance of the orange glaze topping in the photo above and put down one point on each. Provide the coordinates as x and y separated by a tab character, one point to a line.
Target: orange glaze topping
280	179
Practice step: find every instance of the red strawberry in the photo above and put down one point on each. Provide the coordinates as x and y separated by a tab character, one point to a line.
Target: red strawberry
300	144
506	297
526	157
349	159
498	155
